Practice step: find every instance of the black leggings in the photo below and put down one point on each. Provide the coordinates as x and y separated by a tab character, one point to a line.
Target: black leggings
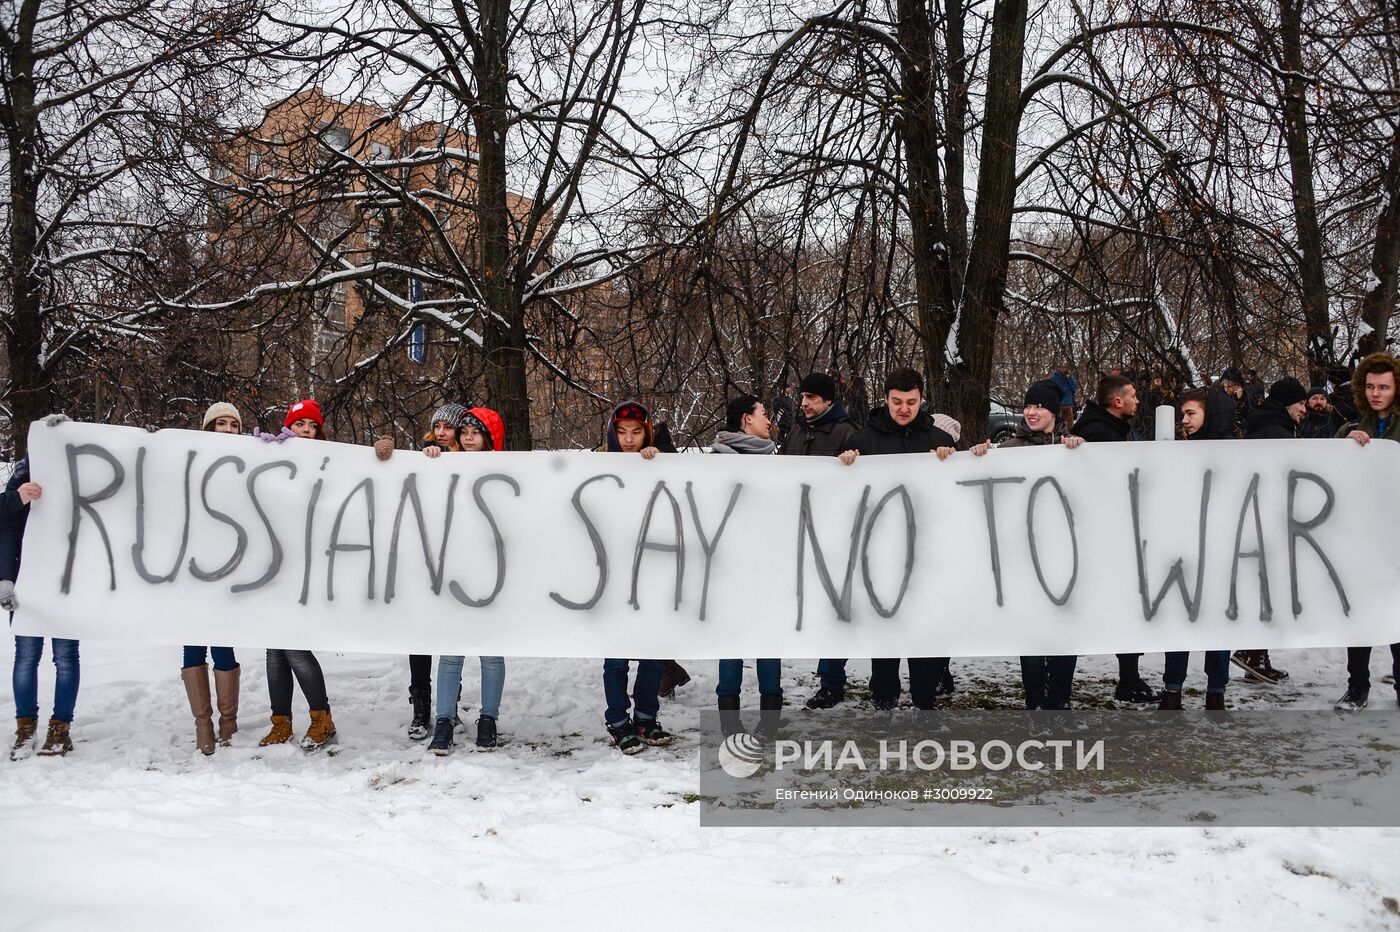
420	672
282	665
1359	667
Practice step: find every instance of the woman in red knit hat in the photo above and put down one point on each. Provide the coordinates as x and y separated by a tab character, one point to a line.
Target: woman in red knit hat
303	420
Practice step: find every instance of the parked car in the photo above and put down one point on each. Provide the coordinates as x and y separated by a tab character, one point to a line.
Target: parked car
1001	421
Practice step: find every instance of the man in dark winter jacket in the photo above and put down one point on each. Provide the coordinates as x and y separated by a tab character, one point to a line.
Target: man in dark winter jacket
1278	415
1275	418
823	427
1322	421
902	426
1107	419
1374	387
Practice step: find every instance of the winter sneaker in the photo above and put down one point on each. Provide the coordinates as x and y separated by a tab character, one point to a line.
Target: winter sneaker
1255	665
24	738
825	699
1134	691
281	731
422	714
1269	669
321	730
625	739
486	732
674	678
649	731
442	737
57	743
1352	700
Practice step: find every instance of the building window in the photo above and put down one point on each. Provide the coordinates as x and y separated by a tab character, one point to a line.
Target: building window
337	137
418	343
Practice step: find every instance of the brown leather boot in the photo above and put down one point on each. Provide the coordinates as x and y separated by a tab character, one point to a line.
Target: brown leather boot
674	677
197	689
322	729
281	731
1215	702
58	742
1170	701
226	687
24	738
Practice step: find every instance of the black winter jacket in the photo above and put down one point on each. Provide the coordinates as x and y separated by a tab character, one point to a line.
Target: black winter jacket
827	436
881	435
1270	421
1096	425
14	514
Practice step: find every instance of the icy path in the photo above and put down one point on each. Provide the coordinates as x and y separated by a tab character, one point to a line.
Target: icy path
136	830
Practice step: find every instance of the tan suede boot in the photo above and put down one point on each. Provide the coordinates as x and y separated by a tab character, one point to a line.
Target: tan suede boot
58	742
197	688
281	731
322	729
226	687
24	738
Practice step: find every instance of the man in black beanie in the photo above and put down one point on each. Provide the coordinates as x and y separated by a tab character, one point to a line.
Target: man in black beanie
1322	421
823	428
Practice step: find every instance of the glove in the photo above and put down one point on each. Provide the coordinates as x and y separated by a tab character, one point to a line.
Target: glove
275	438
53	420
384	447
7	595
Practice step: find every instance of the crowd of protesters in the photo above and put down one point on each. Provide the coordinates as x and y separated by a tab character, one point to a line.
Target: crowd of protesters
819	421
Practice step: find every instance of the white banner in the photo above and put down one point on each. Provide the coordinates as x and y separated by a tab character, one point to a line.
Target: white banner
184	537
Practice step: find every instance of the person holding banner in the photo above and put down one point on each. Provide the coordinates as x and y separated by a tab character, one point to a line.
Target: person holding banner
823	428
1106	420
1198	422
1047	680
221	418
1275	418
304	421
19	493
902	426
479	430
747	431
1373	387
629	431
647	439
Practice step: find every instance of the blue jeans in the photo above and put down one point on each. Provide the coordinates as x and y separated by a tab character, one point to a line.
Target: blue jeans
1217	670
493	684
28	651
731	677
832	675
223	657
646	698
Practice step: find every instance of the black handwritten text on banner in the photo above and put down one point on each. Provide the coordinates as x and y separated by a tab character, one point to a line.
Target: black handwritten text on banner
190	537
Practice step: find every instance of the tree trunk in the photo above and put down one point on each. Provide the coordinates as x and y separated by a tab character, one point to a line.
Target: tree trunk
1379	302
919	133
504	329
985	282
30	392
1311	272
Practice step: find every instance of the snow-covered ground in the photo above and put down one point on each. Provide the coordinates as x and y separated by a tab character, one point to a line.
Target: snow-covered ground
136	830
